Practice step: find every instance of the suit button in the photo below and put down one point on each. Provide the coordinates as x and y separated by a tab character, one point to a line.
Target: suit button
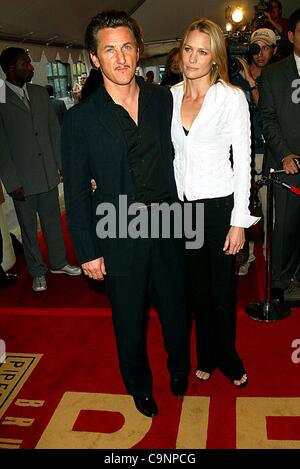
39	154
36	133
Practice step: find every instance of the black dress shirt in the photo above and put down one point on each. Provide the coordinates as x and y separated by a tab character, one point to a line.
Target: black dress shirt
144	151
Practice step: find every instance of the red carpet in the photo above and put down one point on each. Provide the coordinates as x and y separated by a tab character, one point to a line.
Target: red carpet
78	368
60	386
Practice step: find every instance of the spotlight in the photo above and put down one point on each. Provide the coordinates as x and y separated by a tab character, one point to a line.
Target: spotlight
237	15
228	27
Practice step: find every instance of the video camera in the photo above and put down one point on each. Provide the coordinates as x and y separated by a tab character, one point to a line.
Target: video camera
260	10
239	46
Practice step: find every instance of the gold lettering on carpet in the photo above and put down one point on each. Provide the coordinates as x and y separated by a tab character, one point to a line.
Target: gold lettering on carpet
251	421
18	421
13	374
59	433
192	431
9	443
29	403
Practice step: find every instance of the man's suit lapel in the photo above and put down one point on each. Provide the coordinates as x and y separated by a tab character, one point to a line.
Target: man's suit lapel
32	100
12	98
290	70
291	73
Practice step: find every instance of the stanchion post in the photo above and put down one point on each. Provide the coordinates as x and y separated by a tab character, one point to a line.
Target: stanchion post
267	310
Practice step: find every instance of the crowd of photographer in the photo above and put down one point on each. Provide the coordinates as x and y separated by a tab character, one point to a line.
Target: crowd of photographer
269	15
249	78
268	84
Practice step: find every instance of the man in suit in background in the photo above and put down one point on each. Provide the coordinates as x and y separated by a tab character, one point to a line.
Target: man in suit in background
30	163
120	137
280	110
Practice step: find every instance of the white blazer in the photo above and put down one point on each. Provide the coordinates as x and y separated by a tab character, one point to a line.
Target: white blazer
202	158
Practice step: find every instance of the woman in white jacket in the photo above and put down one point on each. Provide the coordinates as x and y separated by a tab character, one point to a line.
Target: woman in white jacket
210	117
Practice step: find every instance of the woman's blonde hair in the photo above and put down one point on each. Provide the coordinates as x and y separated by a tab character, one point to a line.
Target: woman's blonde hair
219	69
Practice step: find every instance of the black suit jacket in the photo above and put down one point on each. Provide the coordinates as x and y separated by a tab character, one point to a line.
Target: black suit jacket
280	115
93	146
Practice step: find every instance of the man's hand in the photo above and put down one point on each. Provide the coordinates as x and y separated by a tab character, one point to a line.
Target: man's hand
95	269
18	194
234	241
246	72
289	164
268	16
273	22
93	185
247	75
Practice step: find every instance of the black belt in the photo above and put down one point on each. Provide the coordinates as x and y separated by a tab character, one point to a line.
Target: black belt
213	199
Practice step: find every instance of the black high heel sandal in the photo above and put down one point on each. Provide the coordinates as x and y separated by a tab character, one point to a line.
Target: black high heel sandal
243	384
204	379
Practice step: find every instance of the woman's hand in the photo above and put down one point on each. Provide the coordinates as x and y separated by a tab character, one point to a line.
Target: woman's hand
234	241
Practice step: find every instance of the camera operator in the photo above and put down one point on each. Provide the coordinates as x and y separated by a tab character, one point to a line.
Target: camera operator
275	21
273	14
249	80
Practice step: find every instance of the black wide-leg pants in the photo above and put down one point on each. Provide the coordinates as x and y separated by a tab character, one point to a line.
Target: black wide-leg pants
212	290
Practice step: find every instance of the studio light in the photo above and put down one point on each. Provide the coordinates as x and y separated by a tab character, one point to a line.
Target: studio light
237	15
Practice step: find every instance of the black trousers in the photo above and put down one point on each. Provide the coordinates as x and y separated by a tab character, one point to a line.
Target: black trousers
286	239
212	291
159	263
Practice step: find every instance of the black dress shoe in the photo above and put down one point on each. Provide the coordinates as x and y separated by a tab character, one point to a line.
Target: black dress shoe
179	386
8	278
146	405
277	295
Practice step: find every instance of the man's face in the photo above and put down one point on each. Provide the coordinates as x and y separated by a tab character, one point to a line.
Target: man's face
295	39
265	54
22	72
276	11
117	55
174	67
82	79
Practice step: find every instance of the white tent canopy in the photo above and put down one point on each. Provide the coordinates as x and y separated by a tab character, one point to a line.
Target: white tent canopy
59	26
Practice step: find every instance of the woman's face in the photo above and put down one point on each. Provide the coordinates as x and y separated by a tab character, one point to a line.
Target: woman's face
196	56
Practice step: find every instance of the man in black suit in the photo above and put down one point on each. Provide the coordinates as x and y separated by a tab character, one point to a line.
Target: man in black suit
120	137
280	109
